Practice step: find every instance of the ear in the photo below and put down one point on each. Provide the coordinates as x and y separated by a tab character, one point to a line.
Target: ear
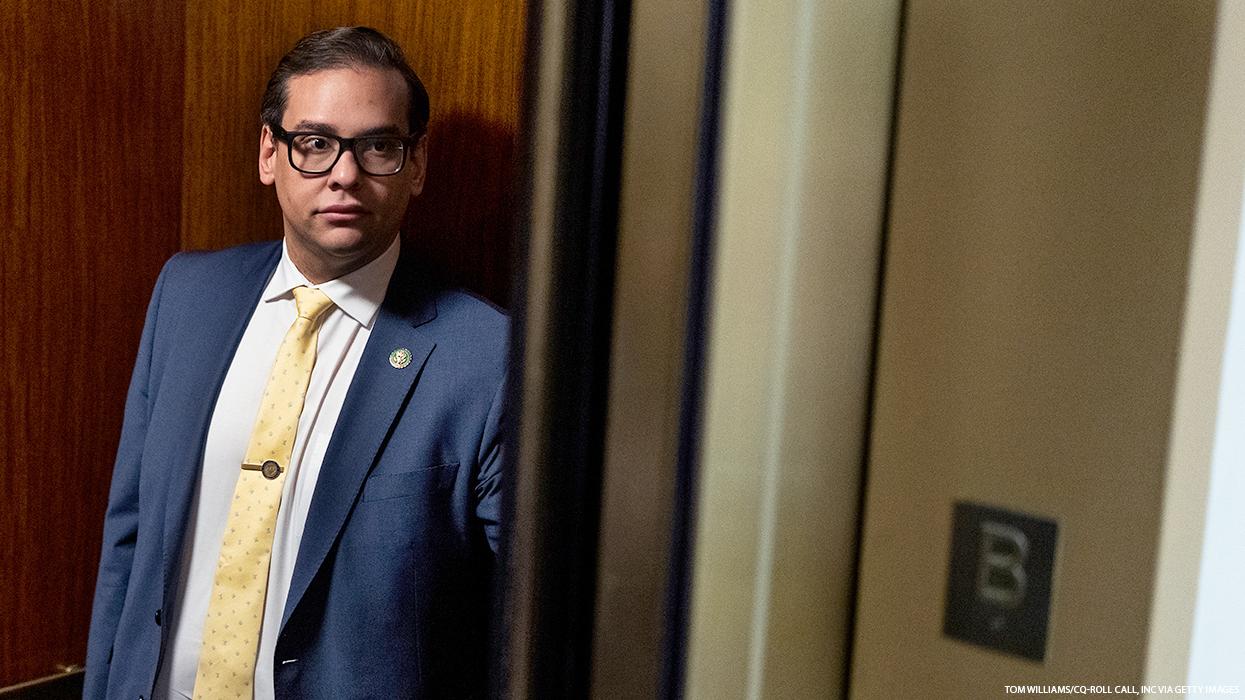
267	156
419	165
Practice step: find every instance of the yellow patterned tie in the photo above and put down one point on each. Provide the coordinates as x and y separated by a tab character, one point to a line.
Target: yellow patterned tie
231	630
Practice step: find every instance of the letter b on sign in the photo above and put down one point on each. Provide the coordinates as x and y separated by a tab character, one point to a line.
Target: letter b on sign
1001	568
999	579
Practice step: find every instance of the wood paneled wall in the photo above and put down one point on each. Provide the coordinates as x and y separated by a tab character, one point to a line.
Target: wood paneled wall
130	132
90	142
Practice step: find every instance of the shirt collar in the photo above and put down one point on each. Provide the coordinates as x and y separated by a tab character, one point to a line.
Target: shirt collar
357	293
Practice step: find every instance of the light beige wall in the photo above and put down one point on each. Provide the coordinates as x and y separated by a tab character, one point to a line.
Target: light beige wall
1187	547
806	120
1043	207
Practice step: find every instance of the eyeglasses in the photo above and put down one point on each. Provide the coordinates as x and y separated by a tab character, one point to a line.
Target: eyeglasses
314	153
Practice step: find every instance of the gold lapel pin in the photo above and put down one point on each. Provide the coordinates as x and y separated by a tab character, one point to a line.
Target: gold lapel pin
400	358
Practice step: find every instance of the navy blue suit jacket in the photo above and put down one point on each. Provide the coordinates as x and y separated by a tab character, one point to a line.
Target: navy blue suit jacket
391	588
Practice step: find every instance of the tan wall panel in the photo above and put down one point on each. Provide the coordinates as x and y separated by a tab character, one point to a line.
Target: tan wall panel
665	78
470	56
1045	182
90	139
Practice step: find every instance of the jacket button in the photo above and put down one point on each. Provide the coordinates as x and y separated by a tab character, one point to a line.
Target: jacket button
157	618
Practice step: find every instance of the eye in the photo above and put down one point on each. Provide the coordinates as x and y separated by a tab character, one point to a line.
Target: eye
314	143
383	146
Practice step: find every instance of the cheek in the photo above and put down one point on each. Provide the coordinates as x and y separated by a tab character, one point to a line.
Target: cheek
293	195
395	201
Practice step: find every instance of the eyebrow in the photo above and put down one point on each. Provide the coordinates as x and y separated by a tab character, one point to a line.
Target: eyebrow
387	130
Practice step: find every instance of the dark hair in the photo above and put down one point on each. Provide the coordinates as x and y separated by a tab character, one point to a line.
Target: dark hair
343	47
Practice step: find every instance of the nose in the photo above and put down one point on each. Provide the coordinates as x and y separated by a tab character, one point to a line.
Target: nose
345	174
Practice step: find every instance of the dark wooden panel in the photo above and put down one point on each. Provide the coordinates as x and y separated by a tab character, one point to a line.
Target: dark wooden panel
63	686
91	148
469	54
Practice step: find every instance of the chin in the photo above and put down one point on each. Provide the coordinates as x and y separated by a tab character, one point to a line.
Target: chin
346	241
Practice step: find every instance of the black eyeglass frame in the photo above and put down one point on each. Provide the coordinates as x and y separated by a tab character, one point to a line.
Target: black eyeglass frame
343	142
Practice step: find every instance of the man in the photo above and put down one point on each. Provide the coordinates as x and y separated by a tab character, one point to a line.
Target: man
306	494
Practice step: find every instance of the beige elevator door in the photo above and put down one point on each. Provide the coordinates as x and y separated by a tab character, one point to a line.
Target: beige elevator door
1064	209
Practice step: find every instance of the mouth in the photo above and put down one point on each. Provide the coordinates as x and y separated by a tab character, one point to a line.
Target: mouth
342	213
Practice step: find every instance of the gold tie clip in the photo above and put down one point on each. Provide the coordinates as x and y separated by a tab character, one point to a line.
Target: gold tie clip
269	469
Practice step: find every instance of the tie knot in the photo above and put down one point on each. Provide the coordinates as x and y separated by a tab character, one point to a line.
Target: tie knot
311	302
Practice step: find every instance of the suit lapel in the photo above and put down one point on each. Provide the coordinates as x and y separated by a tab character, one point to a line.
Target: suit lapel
377	395
205	349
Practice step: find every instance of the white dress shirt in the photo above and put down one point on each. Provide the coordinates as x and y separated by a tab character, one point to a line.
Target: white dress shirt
343	335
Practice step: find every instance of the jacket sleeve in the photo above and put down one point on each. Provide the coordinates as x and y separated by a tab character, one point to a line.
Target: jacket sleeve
121	517
489	488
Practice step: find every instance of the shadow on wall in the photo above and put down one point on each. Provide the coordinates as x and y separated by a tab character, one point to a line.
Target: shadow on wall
462	224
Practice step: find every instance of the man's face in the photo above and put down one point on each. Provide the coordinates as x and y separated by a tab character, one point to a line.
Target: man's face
339	221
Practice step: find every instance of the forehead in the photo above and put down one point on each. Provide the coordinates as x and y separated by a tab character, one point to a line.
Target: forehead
348	99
